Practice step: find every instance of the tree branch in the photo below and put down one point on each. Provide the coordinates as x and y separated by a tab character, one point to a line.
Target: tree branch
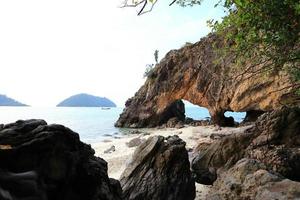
141	11
125	4
145	3
172	2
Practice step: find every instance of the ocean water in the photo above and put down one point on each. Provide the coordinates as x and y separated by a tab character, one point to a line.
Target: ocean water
202	113
92	124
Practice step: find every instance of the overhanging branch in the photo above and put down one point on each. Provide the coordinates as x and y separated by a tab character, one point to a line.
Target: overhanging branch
143	4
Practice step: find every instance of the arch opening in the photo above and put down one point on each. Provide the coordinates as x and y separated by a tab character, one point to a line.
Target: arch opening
237	116
195	112
196	115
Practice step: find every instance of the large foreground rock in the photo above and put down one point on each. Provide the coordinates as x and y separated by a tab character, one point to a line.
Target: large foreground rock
261	163
40	161
248	179
159	170
198	74
274	140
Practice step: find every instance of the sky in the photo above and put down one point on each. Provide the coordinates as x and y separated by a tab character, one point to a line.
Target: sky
50	50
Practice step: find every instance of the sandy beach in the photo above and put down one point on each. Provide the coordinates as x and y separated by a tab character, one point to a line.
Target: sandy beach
121	153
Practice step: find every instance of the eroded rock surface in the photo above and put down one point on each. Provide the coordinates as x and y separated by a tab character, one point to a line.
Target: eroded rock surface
274	140
40	161
197	73
262	162
248	179
159	170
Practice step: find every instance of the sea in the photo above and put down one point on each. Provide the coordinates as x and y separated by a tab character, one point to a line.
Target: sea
93	124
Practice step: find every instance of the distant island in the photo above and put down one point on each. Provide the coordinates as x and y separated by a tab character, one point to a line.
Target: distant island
6	101
86	100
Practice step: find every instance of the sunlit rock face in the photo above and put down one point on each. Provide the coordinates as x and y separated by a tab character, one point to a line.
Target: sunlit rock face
198	74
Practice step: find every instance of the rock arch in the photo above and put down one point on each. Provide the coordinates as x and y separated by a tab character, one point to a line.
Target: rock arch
192	73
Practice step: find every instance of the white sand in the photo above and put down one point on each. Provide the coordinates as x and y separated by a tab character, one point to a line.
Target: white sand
191	135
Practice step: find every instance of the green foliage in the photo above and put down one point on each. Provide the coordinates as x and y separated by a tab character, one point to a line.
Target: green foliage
263	30
149	71
185	3
187	44
150	67
268	28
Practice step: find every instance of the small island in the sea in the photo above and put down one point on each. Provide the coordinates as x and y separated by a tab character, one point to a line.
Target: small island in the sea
86	100
6	101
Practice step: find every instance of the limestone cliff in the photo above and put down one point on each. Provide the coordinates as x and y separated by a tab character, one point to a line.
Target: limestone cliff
196	73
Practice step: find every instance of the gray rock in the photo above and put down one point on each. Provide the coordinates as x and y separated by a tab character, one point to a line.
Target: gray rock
249	179
159	170
174	123
135	142
145	134
106	141
111	149
137	132
274	141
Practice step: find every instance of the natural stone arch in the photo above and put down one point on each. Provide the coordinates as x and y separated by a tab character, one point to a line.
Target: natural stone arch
192	73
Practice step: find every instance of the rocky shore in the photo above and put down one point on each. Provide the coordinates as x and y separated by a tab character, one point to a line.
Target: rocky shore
257	161
261	158
119	151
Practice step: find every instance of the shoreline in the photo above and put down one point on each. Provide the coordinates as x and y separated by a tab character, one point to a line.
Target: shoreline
121	154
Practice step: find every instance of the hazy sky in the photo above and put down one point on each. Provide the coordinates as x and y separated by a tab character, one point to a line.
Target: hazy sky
52	49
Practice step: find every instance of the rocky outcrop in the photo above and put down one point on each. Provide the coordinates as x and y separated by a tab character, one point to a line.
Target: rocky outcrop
222	153
263	162
198	74
249	179
147	117
135	142
159	170
274	141
40	161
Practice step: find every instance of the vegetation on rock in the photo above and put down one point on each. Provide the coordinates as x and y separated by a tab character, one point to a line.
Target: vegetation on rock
149	67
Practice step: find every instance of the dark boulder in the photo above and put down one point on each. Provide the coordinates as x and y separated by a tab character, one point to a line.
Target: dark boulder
141	119
252	115
159	170
41	161
173	123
